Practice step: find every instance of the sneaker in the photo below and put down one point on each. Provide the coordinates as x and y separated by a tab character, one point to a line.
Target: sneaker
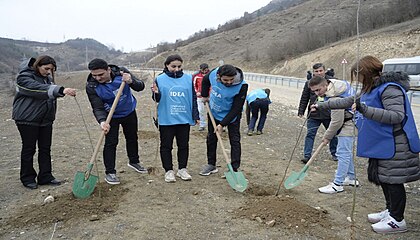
111	178
389	225
250	133
137	167
334	157
350	182
304	160
183	174
259	132
377	217
331	188
201	129
170	176
208	169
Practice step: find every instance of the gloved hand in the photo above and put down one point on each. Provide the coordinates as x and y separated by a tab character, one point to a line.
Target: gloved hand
360	107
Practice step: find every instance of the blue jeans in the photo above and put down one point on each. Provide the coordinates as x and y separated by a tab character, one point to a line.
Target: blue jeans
256	107
312	126
345	160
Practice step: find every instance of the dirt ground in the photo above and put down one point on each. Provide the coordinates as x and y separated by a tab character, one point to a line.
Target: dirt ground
143	206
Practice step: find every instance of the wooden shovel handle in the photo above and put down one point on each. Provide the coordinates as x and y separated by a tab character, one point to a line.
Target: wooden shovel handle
217	133
107	121
315	154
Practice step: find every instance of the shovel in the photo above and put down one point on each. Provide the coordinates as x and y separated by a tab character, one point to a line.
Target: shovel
84	182
296	178
236	180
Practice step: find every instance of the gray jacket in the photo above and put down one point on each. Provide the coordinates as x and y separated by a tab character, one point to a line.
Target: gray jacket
405	165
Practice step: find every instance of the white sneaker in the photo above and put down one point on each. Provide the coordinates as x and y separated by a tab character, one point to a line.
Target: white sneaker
183	174
389	225
377	217
350	182
331	188
170	176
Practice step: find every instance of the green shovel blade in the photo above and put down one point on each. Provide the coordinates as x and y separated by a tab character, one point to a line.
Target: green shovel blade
83	188
295	178
236	180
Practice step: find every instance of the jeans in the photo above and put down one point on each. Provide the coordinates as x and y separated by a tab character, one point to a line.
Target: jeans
201	112
396	198
235	143
345	160
130	128
256	107
312	126
167	134
31	135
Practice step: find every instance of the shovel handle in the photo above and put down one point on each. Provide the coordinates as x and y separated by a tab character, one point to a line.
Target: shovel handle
217	133
315	154
107	121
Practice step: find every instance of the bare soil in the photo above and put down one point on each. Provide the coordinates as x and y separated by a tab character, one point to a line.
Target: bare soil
143	206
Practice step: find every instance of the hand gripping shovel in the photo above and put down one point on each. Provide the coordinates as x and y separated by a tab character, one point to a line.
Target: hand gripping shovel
236	180
296	178
84	182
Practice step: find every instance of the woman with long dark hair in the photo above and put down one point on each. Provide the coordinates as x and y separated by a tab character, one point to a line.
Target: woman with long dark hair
34	109
387	136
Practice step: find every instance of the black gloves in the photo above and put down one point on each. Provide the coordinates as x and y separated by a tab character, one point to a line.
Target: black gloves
360	107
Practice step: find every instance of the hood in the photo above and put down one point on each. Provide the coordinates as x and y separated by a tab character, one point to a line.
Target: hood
26	65
400	78
336	88
239	78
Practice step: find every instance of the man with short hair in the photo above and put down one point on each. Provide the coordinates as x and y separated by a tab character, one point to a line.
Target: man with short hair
315	119
102	86
227	95
197	79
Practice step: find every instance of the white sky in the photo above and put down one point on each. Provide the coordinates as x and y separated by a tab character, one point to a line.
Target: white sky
128	25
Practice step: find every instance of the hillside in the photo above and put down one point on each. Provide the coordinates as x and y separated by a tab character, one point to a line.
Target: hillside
70	55
279	39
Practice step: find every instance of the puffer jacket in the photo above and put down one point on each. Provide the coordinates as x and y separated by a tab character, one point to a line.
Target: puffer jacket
405	165
35	100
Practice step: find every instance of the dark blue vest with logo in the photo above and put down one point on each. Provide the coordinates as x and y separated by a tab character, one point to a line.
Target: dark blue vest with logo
175	105
221	97
375	139
108	91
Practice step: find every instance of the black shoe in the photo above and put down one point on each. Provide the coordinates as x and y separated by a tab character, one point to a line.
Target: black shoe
53	182
304	160
334	157
31	185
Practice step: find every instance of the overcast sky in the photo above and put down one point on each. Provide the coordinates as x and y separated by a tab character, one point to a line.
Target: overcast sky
128	25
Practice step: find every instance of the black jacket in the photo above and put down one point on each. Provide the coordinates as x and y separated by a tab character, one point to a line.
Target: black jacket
35	100
310	97
96	102
238	100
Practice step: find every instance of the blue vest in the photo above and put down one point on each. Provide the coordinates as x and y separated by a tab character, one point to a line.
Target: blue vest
221	97
375	139
175	105
257	93
108	91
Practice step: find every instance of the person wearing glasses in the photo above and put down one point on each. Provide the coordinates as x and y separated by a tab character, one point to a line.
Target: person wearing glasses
177	111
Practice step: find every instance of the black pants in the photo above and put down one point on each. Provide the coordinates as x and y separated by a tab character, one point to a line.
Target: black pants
235	144
130	128
396	198
31	135
167	134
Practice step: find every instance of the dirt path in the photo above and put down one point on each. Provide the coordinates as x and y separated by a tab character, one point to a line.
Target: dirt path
145	207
